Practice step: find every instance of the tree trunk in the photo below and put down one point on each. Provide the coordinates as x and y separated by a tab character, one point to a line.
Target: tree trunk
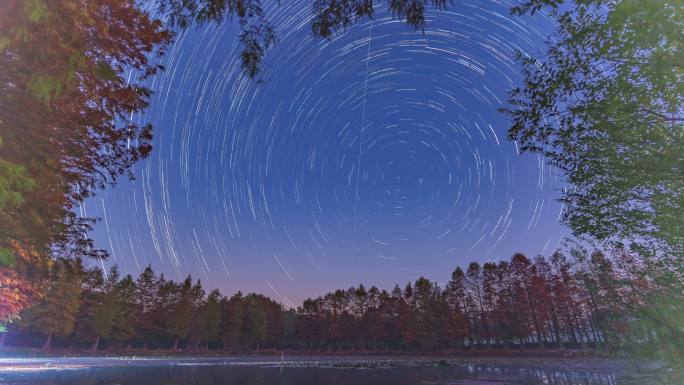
257	347
95	345
2	339
47	345
129	346
175	344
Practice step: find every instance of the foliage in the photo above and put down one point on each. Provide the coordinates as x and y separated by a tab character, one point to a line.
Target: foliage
100	305
257	34
56	314
124	328
605	107
211	317
65	108
21	282
256	322
232	319
576	301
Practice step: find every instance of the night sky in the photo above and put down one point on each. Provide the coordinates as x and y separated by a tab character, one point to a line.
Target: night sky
375	157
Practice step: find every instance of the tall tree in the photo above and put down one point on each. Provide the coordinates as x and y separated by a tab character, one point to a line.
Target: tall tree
196	320
65	107
147	304
256	322
232	316
180	310
124	328
22	278
99	306
458	308
56	314
604	105
211	317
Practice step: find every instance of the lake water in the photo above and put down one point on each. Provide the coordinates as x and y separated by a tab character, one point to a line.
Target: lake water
312	371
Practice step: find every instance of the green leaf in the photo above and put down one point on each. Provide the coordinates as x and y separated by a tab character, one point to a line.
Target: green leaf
44	87
6	260
105	71
13	182
35	9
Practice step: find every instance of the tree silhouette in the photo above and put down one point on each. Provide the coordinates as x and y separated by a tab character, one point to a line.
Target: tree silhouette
257	34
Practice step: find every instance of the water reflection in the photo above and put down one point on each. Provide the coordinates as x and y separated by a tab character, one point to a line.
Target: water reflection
235	373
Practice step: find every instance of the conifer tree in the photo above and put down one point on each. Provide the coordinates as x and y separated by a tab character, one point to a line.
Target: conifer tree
56	314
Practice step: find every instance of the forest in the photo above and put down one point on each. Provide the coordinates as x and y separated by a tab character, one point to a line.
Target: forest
601	104
540	303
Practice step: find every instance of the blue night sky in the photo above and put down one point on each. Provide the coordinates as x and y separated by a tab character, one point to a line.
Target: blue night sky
375	157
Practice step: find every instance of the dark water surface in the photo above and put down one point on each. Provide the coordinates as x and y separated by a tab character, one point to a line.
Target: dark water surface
312	371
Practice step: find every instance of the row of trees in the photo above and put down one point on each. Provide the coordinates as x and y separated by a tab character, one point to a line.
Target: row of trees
83	307
541	303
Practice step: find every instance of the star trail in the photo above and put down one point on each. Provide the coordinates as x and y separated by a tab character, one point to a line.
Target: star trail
375	157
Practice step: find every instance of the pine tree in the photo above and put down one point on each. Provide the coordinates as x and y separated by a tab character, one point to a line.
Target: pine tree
455	297
56	314
255	320
211	317
179	310
124	329
232	315
147	304
99	306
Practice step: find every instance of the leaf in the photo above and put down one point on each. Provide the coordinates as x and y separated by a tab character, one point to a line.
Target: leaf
35	9
44	87
6	259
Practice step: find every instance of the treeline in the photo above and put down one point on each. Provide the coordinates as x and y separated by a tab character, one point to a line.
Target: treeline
84	308
540	303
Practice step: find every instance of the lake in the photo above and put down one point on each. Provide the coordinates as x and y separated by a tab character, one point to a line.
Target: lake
313	371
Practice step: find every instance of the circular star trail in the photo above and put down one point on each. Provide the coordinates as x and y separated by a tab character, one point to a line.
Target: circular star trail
376	156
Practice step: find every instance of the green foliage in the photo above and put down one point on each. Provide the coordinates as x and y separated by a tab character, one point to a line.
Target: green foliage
232	320
605	107
35	9
124	327
256	321
258	35
6	258
211	317
61	99
57	313
14	181
44	87
108	306
106	72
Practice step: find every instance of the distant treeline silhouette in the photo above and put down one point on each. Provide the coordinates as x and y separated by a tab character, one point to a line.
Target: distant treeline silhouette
559	301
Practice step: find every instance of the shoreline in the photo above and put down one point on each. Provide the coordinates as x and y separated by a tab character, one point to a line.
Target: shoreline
42	363
551	364
11	352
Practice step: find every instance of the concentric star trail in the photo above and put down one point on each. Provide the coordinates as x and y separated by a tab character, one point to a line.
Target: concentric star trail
353	162
363	123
